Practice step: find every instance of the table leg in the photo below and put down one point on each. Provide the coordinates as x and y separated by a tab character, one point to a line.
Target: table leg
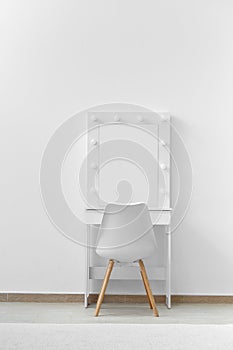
87	266
168	272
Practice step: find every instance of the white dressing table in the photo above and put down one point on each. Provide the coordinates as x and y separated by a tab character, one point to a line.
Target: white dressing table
150	131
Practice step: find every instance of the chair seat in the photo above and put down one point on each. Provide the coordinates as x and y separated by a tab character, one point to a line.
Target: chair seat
127	254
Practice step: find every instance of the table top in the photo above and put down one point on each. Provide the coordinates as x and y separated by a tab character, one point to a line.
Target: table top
151	209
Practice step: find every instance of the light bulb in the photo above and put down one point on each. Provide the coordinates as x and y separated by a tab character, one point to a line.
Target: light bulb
93	118
92	190
163	143
93	165
164	118
93	142
163	166
140	118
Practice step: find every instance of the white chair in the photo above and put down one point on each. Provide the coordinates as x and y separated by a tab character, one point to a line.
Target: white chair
126	235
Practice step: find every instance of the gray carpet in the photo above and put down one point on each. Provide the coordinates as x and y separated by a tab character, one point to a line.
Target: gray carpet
15	336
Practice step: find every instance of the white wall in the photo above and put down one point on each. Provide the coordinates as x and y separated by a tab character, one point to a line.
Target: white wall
58	57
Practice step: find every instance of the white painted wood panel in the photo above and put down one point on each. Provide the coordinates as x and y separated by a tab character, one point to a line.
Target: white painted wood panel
127	272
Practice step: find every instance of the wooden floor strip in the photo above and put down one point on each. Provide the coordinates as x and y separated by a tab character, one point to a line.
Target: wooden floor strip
79	298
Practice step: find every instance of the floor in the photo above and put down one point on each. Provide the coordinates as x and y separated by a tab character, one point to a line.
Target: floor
72	313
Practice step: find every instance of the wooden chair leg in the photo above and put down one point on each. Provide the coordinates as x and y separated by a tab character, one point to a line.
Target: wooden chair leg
146	290
145	278
104	286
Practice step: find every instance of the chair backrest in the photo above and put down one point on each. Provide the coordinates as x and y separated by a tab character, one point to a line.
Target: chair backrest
126	233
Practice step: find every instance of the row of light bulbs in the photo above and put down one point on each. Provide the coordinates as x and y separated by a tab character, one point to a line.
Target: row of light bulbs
117	118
